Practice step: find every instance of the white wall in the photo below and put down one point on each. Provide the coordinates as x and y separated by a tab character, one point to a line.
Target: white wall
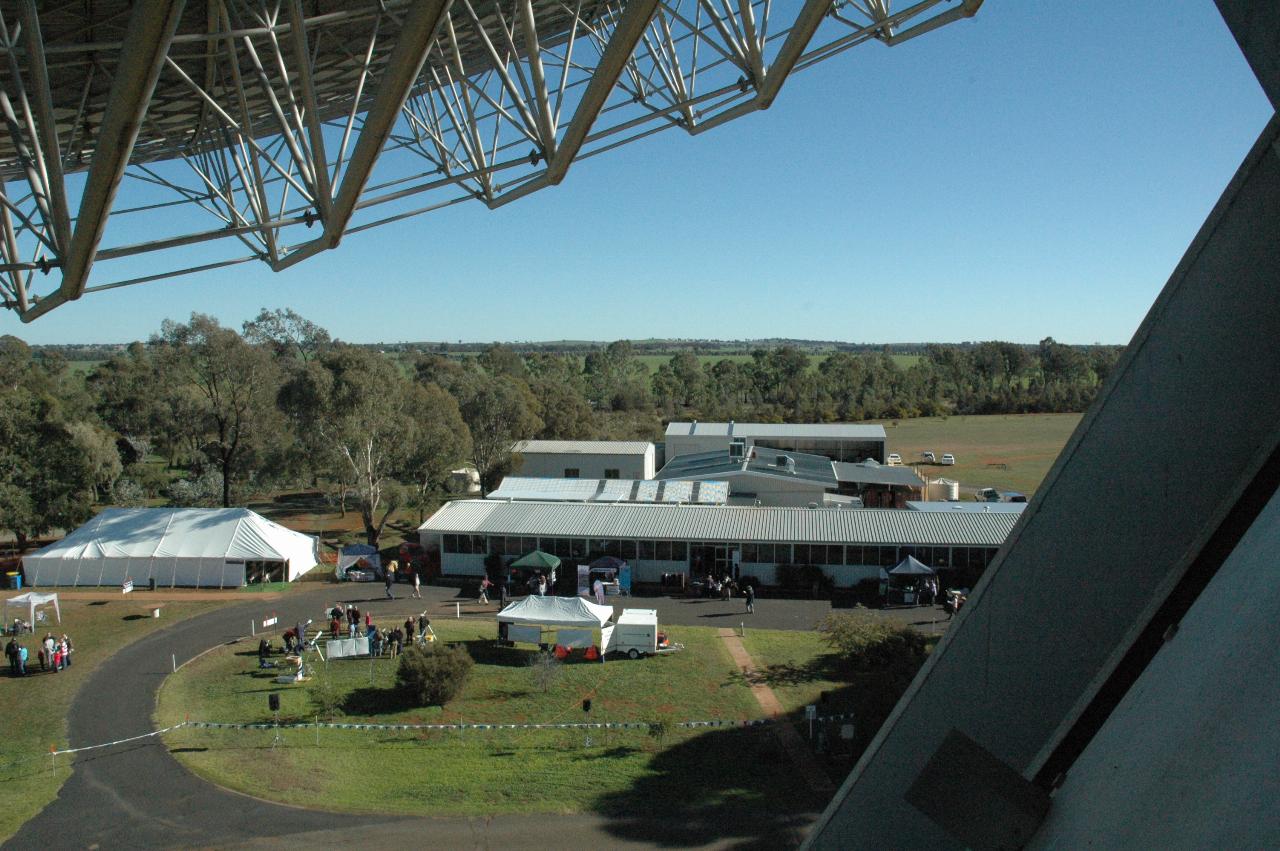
552	465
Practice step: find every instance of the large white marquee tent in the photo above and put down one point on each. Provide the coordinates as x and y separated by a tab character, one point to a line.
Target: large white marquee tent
192	547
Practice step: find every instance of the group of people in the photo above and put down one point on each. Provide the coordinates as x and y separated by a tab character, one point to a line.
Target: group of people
54	655
389	578
351	616
381	641
725	587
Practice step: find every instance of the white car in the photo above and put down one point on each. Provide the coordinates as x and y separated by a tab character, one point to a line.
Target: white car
928	456
948	459
894	459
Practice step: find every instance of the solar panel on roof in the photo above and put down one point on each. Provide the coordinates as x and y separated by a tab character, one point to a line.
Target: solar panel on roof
678	492
712	493
614	490
647	491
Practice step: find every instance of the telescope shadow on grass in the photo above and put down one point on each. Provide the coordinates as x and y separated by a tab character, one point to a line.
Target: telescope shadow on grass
826	667
749	802
371	700
678	803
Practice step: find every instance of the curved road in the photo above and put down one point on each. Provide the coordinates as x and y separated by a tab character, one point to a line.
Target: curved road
138	795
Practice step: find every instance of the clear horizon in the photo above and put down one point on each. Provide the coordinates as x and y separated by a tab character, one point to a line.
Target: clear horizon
1036	171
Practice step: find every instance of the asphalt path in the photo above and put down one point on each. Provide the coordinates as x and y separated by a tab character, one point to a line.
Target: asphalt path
137	795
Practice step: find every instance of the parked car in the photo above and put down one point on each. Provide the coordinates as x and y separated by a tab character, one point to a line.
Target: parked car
987	495
928	456
948	459
894	459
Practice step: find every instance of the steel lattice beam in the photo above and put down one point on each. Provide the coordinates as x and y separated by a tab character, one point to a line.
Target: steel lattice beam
268	117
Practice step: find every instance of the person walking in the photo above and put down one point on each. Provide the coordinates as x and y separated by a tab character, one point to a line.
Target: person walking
417	585
47	659
408	630
483	598
11	653
22	660
597	588
542	586
751	599
389	578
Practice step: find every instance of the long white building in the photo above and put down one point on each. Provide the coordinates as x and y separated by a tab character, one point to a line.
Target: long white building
848	544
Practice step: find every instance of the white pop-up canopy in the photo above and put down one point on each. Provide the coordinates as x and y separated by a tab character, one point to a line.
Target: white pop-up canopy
556	611
28	603
201	547
351	556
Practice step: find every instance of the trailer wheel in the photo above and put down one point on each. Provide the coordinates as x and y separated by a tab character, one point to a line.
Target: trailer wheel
633	653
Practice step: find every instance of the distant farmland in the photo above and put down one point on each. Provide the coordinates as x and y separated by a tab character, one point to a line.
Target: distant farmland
1009	452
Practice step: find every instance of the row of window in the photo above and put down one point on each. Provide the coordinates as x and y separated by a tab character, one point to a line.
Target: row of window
823	554
576	473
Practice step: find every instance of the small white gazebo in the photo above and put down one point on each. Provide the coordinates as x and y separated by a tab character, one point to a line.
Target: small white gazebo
29	602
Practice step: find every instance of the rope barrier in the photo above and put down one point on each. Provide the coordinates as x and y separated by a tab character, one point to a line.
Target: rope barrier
311	725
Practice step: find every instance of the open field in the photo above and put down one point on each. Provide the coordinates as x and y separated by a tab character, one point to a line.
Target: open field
654	361
1025	444
500	771
34	707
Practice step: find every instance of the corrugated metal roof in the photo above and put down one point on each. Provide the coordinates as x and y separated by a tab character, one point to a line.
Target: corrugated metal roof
582	447
876	474
721	523
854	431
969	507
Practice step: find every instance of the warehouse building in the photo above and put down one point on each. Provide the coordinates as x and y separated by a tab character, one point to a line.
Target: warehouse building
586	459
837	441
849	545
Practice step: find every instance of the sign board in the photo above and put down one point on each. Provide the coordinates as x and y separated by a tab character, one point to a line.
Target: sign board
127	586
811	712
271	621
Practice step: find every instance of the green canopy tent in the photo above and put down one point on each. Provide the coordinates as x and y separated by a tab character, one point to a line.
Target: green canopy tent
537	560
531	565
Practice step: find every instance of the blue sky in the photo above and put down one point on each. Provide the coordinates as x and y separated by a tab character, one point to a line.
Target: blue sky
1035	171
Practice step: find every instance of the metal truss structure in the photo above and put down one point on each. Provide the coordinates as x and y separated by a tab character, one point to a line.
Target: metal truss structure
243	130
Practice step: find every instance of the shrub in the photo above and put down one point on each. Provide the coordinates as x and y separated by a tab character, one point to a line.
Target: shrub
432	677
325	694
874	645
545	668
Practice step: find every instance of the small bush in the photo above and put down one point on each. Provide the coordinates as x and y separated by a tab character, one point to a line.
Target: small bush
874	645
432	677
546	668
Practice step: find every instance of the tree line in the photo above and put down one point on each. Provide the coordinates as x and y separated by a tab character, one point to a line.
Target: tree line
280	404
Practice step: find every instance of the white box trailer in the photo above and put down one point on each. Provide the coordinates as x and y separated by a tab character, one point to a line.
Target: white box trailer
635	632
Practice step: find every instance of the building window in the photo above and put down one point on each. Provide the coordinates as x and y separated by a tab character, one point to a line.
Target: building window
646	551
628	550
612	473
450	543
571	472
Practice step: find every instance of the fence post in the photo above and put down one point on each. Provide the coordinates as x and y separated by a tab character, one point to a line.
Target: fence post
457	610
174	657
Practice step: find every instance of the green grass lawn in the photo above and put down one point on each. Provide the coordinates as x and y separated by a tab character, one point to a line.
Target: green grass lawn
34	708
798	666
489	772
1025	444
